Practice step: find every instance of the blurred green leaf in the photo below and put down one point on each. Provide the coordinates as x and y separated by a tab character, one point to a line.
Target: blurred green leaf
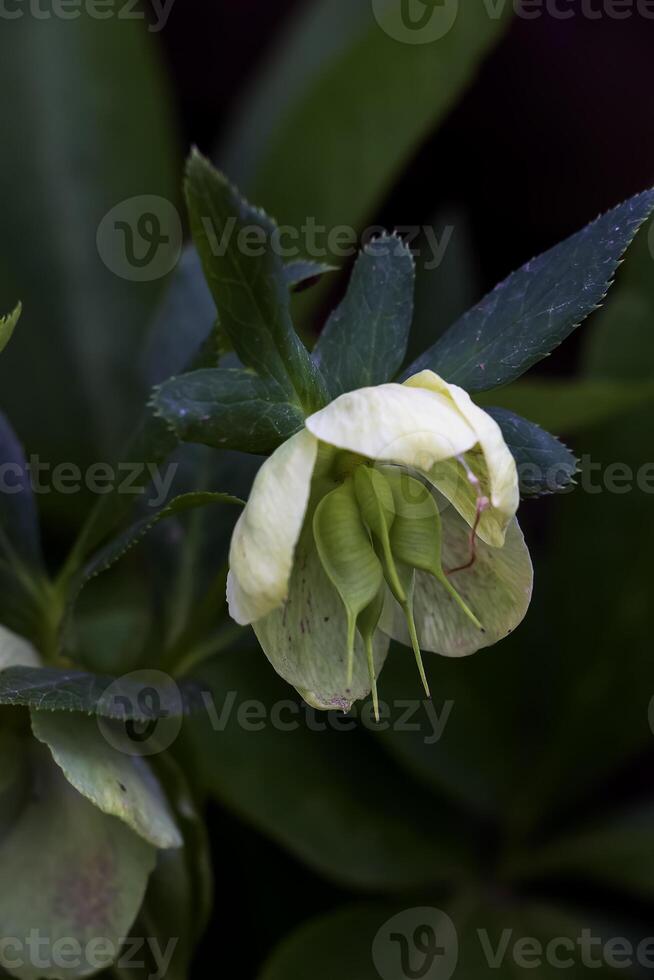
62	845
536	308
247	281
8	325
617	852
574	405
341	108
545	465
120	785
364	342
182	322
326	795
228	409
85	137
479	938
124	542
19	523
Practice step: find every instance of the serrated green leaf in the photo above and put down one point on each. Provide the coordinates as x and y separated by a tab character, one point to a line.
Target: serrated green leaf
120	785
574	405
48	689
544	464
536	308
67	872
248	283
365	340
8	325
228	409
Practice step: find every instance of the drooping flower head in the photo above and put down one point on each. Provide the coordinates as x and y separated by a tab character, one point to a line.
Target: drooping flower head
391	515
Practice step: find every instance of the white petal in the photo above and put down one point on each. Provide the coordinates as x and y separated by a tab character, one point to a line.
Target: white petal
495	467
497	588
306	639
395	423
264	539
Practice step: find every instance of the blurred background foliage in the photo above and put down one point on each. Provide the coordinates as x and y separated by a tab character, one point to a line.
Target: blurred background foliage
535	810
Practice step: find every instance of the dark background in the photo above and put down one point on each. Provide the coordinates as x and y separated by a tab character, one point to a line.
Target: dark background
557	127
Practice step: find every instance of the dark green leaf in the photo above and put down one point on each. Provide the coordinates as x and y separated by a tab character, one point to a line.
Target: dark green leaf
228	409
365	340
536	308
545	465
183	321
247	281
48	689
256	753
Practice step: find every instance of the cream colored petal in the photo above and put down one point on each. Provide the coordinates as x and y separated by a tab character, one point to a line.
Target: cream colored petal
264	539
395	423
306	639
16	651
491	461
497	588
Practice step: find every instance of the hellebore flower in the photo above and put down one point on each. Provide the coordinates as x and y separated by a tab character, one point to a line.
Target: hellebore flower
391	515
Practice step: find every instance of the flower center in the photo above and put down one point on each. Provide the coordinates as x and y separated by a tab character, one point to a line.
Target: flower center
373	533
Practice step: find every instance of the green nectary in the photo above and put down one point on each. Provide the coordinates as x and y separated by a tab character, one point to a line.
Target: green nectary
373	532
